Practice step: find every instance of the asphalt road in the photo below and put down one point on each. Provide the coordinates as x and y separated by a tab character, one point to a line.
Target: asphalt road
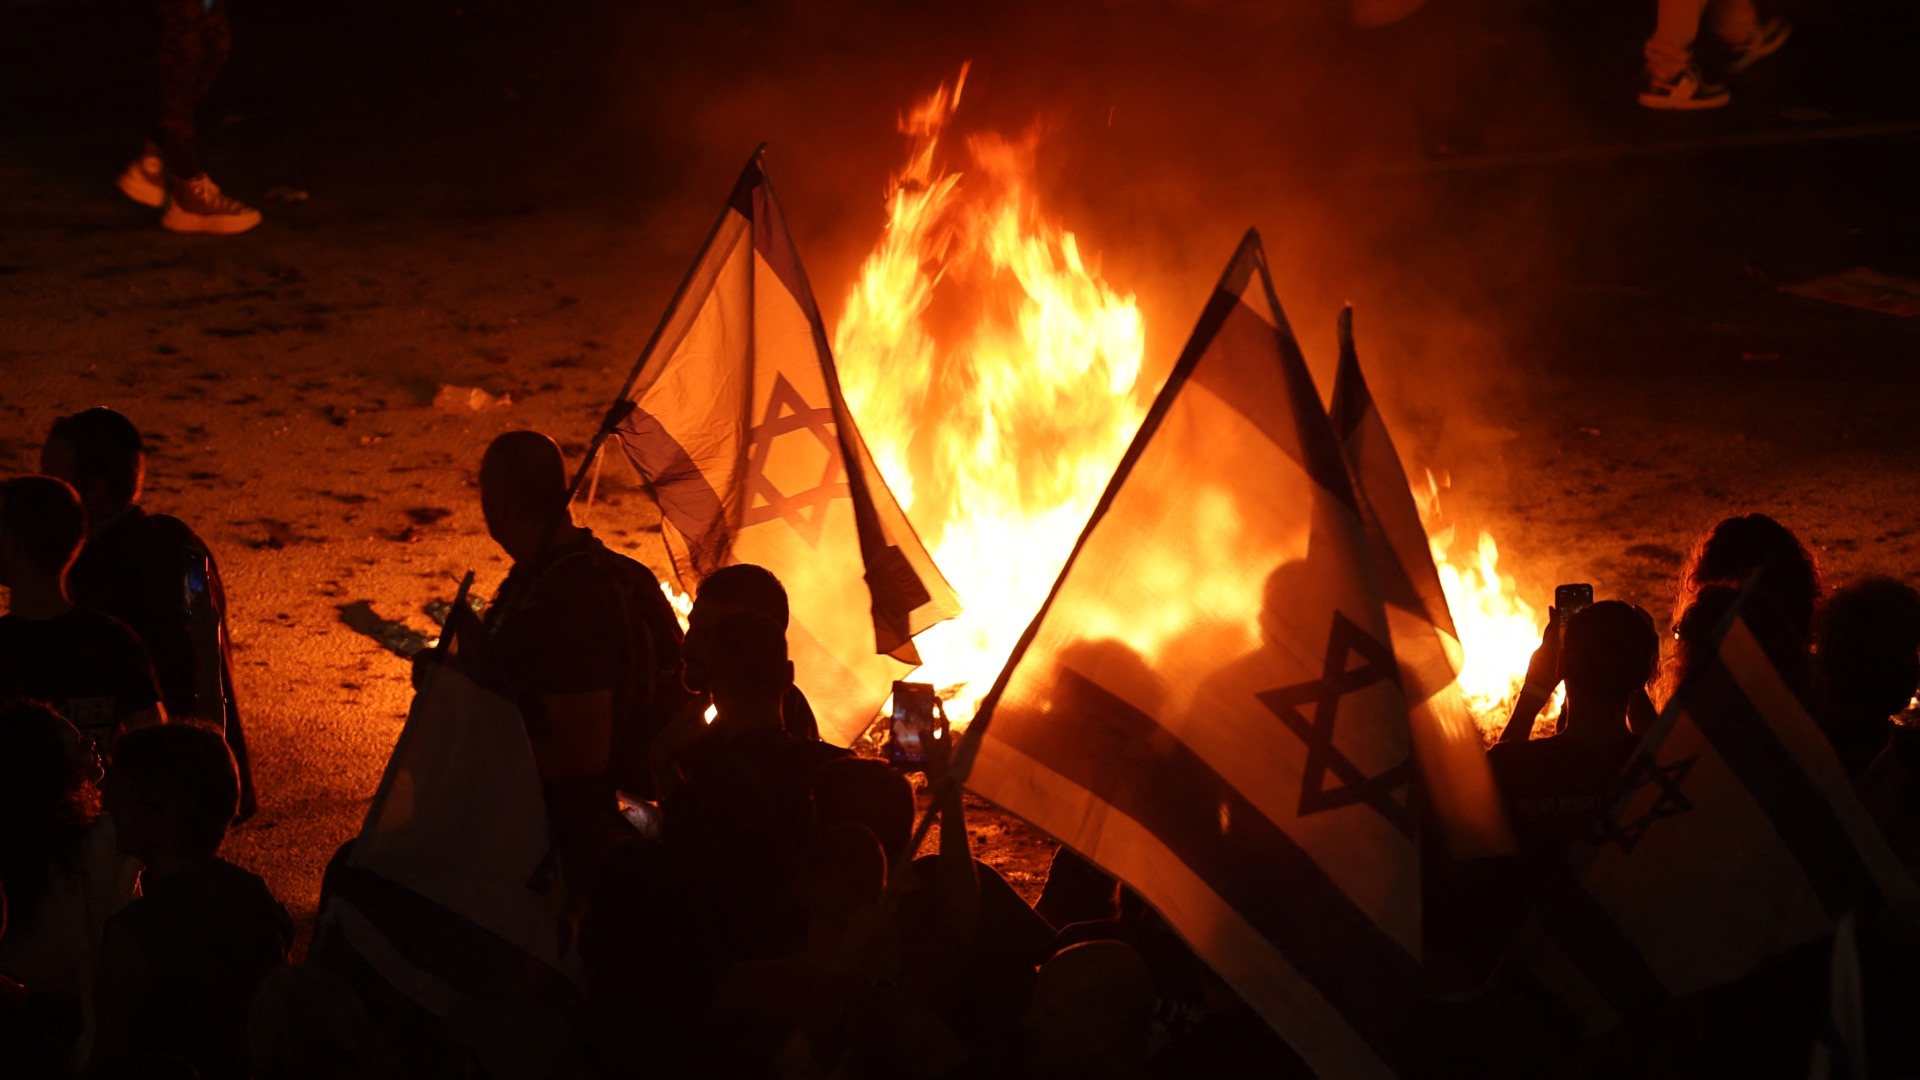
1569	306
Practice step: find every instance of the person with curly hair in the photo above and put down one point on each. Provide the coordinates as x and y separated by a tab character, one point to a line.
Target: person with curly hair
1786	581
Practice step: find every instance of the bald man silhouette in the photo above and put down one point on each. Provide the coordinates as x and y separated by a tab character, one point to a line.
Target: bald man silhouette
590	646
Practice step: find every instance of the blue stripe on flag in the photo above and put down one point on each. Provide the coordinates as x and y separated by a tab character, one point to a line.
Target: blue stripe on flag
774	244
1604	953
441	942
1249	862
686	498
1796	806
1238	369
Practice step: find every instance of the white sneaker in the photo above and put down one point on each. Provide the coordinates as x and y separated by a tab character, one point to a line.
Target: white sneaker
145	181
198	206
1683	91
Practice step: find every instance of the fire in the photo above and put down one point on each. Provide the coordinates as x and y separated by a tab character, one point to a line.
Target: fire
994	373
1498	629
999	415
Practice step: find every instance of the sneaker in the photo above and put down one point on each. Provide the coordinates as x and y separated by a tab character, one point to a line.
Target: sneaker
145	181
1683	91
197	206
1765	42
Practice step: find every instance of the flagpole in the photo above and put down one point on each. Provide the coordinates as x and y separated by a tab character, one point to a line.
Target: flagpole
1650	741
968	748
622	407
673	305
1248	258
322	925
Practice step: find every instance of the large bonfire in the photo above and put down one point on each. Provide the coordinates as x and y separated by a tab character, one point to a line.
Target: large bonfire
995	375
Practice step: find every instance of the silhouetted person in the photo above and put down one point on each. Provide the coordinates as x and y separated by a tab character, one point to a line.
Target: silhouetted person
746	587
1753	1026
1779	633
1076	891
649	950
816	993
306	1024
1554	787
1182	990
589	645
871	793
730	590
1091	1015
195	37
1868	671
1673	80
742	815
63	876
1756	547
89	666
180	965
969	942
1868	663
152	572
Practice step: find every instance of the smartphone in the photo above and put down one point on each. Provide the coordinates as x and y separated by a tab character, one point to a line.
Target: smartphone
1570	600
194	584
918	722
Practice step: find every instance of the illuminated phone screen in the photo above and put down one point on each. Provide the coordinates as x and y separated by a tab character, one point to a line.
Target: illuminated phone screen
911	724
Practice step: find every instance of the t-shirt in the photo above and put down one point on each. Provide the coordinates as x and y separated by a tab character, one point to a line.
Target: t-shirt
135	570
89	666
778	768
738	826
1554	787
582	618
209	936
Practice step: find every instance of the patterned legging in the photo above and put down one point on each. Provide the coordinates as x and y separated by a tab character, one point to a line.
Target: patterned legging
194	40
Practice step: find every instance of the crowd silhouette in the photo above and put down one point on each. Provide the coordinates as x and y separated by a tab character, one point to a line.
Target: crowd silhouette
746	900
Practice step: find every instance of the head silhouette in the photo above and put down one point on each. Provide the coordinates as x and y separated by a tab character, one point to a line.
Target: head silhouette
101	454
42	525
747	668
1092	1010
1778	635
1611	652
741	587
1868	665
1611	648
1739	548
867	792
523	491
172	791
727	591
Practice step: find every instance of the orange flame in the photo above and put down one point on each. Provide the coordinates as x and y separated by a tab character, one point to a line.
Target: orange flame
993	371
1498	629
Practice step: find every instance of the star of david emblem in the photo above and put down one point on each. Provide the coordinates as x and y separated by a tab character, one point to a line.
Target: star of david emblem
806	510
1337	680
1668	801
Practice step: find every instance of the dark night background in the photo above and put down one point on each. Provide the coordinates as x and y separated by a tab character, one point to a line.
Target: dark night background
1569	305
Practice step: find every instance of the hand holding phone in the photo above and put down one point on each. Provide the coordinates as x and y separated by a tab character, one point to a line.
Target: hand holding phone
917	736
1568	601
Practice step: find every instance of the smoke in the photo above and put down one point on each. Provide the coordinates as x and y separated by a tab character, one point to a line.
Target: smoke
1165	131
